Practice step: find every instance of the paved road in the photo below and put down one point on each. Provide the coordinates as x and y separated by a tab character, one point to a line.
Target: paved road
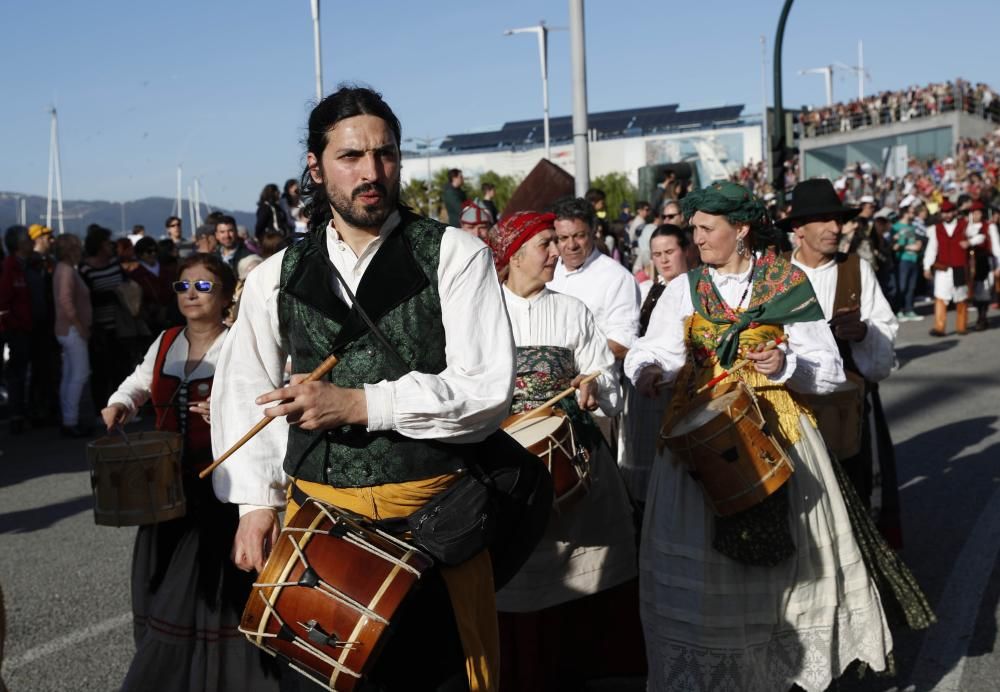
66	580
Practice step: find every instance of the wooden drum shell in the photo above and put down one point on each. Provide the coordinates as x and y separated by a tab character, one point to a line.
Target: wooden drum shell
139	481
732	455
281	625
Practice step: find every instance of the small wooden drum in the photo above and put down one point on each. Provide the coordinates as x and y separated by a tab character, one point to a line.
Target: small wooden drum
328	592
552	440
840	415
725	444
136	480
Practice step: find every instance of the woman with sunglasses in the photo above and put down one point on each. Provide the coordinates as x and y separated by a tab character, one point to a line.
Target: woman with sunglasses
187	596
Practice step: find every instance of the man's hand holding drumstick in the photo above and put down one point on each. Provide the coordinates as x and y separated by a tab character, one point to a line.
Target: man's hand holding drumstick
311	405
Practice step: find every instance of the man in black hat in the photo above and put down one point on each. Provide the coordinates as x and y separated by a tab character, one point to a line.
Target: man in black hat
861	318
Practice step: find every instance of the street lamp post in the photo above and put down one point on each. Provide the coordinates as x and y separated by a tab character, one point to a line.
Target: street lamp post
316	50
578	54
778	144
542	31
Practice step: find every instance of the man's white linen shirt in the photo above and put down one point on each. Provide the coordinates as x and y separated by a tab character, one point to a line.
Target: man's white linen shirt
874	355
610	292
812	361
463	403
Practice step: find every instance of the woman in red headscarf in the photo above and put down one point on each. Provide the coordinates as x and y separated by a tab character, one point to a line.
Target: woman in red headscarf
571	613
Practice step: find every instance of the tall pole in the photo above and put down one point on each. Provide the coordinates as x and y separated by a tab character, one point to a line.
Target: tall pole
778	144
52	167
197	204
191	209
581	149
543	54
58	172
316	50
542	32
763	98
180	205
861	70
24	212
122	206
828	75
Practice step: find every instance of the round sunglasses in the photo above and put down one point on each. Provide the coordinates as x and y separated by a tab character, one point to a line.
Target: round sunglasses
200	286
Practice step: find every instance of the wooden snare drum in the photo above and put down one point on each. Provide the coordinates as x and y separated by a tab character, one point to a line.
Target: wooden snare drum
328	592
725	444
551	439
840	415
136	480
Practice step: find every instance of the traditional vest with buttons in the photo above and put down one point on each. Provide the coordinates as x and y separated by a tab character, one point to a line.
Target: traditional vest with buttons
950	253
400	294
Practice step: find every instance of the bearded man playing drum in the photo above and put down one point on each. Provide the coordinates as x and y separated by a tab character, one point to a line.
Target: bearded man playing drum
186	596
554	621
369	437
777	595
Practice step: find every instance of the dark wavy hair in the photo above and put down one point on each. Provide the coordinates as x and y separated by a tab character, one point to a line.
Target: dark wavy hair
216	266
347	101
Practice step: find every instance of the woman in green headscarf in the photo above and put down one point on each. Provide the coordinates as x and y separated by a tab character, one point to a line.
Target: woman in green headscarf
778	595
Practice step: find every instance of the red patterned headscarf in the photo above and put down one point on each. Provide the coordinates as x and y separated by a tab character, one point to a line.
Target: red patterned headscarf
511	233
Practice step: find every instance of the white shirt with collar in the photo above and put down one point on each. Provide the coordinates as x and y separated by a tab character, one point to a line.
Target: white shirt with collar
874	355
610	292
463	403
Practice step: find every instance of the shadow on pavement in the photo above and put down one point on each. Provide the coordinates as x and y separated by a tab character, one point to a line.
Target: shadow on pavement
28	520
914	351
951	477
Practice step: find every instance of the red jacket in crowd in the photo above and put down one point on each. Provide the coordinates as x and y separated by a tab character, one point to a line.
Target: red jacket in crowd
15	297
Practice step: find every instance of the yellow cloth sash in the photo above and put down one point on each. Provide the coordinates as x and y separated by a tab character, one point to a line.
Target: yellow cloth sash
470	585
779	405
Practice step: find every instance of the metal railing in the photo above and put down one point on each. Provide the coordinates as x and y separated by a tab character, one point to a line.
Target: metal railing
860	115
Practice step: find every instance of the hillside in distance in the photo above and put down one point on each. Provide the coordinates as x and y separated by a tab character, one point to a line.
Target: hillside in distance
151	212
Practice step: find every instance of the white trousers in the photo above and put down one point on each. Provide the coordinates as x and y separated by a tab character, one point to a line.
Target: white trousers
75	371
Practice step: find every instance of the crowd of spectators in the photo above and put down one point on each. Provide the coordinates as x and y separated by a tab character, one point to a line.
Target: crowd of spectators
73	312
900	106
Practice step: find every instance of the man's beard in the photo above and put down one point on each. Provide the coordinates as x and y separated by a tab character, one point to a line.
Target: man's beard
365	215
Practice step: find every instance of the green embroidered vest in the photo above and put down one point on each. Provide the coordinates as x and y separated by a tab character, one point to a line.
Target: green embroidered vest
400	294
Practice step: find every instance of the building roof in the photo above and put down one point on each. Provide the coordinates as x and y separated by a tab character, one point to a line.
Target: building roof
632	122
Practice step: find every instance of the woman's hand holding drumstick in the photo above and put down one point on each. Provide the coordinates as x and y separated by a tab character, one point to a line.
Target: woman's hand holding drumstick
767	358
580	381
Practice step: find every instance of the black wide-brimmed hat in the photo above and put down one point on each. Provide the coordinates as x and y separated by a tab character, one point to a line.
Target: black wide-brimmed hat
816	198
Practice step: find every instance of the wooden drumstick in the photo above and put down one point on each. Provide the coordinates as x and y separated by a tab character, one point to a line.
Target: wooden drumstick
321	369
551	402
738	365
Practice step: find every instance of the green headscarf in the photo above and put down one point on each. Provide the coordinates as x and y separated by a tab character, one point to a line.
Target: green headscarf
728	199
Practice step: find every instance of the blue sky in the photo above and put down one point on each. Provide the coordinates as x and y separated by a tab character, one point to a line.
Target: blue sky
224	86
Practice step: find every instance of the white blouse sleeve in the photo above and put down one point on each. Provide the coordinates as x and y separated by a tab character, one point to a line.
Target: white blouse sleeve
874	355
136	389
663	343
812	361
930	254
622	313
470	398
252	362
592	354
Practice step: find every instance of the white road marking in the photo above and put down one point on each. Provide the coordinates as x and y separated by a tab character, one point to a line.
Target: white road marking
913	481
947	642
67	640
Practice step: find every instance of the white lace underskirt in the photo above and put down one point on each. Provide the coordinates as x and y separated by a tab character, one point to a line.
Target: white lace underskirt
716	625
